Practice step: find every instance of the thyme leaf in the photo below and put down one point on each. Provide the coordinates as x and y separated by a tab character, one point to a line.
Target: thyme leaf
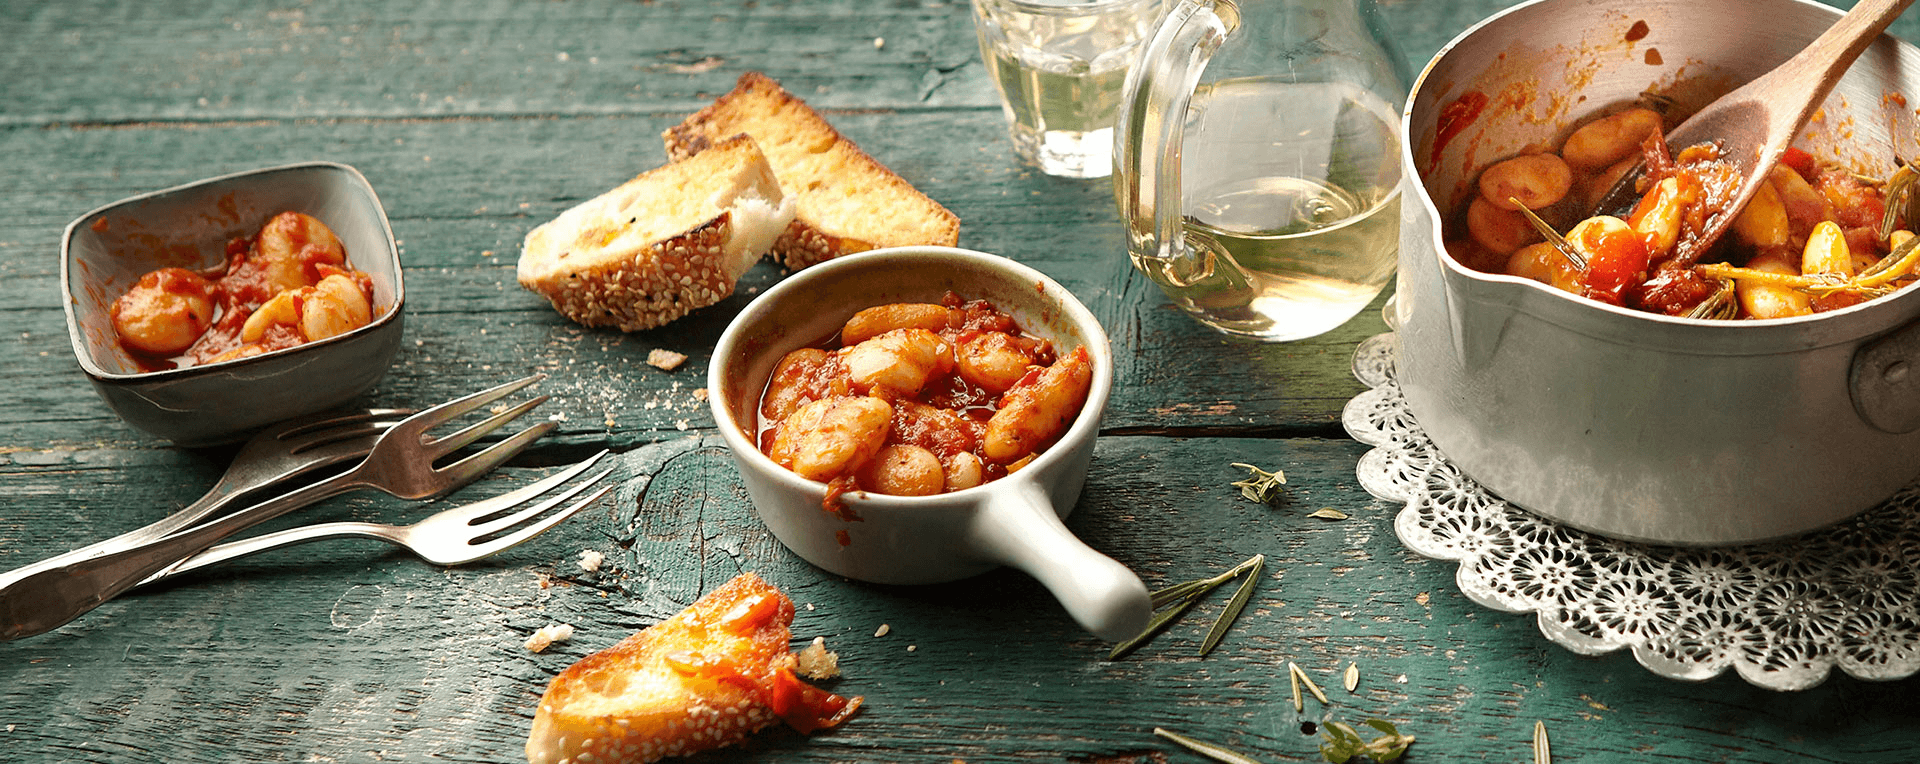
1261	484
1343	742
1328	513
1542	751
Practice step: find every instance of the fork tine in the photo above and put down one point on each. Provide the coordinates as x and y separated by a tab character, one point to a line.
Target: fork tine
517	537
479	529
484	508
438	415
442	446
464	471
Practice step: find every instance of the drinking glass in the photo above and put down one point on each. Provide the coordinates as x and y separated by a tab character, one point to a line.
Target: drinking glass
1060	66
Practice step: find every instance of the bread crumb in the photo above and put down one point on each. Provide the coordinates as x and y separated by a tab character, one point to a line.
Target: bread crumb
590	560
817	662
911	648
699	393
882	631
547	635
664	359
879	42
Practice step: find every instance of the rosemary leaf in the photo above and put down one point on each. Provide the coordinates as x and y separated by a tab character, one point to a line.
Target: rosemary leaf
1560	243
1352	679
1206	749
1329	513
1181	591
1293	677
1898	193
1158	624
1542	751
1308	681
1234	606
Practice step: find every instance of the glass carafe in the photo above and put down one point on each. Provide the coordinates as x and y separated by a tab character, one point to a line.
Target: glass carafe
1257	162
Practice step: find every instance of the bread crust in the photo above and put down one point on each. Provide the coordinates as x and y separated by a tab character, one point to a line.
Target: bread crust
706	678
815	236
594	273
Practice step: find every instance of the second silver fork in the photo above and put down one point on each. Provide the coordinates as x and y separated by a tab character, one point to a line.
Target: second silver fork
452	536
400	464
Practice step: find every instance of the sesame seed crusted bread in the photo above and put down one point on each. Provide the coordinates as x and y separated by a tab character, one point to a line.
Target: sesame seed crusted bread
703	679
848	202
670	241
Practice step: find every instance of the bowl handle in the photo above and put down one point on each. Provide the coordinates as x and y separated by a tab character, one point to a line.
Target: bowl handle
1019	528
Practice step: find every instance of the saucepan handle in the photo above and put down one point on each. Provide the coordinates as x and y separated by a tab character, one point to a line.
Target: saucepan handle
1885	381
1019	528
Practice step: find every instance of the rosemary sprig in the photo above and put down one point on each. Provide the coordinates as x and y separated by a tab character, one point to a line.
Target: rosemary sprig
1720	305
1343	742
1261	485
1206	749
1560	243
1817	284
1179	598
1899	196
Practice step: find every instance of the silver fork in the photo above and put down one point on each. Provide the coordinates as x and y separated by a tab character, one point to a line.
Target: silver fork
400	464
285	451
449	537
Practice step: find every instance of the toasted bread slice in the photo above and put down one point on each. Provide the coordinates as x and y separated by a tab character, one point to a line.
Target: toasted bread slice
703	679
847	201
672	240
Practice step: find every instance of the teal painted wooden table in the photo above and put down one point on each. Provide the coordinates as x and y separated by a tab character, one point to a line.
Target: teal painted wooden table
475	122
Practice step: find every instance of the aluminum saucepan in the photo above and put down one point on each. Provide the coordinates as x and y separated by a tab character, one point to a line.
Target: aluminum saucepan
1634	425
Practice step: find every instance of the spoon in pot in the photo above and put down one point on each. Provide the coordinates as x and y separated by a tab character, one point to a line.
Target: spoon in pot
1755	123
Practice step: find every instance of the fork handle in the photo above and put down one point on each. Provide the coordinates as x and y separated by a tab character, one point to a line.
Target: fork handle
207	506
234	550
47	599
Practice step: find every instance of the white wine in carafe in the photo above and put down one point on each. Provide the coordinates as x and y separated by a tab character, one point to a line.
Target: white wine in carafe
1292	200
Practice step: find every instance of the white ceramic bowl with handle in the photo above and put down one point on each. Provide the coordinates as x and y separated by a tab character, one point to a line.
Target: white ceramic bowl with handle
1014	521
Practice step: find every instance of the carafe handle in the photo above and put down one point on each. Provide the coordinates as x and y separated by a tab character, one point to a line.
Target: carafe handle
1147	142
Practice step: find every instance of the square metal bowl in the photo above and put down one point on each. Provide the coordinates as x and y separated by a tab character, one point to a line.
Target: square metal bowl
104	252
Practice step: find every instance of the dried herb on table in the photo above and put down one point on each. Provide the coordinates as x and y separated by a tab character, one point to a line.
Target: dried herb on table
1206	749
1343	743
1542	751
1328	513
1174	601
1261	485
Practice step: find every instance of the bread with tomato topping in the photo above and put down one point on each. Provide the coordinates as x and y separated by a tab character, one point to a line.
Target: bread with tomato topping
672	240
848	202
706	678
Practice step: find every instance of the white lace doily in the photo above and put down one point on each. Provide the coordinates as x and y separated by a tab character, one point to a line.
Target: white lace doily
1782	614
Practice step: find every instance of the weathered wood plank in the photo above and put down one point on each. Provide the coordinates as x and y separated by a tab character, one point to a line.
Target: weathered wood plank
397	657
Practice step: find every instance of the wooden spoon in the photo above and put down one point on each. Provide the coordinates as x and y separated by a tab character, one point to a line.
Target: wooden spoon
1755	123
